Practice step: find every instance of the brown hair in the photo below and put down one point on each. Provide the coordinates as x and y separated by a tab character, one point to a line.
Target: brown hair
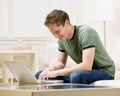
56	17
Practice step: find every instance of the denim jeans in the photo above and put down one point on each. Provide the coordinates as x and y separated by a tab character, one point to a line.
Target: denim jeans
82	77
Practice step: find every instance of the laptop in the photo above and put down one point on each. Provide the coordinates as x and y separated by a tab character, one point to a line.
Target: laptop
23	73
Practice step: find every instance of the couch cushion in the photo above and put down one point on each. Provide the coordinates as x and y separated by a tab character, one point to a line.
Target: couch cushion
107	83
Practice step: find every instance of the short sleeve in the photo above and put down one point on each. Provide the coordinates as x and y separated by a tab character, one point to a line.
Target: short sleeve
60	46
88	38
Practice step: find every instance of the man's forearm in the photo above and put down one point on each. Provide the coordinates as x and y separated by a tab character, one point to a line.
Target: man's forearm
57	65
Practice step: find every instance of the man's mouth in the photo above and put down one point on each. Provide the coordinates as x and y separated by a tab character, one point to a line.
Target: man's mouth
60	37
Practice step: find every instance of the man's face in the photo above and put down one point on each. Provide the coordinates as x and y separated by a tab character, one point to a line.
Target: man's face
60	32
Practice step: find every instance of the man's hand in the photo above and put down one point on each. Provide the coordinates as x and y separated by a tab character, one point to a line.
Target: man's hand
46	74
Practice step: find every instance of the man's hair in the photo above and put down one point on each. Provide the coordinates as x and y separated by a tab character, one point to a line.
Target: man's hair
57	17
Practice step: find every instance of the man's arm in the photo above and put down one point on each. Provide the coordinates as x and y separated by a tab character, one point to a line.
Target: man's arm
86	64
59	62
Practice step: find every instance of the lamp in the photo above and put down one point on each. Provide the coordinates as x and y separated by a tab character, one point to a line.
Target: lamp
104	13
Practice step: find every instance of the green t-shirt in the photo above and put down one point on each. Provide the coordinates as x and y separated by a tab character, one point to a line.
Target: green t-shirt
85	37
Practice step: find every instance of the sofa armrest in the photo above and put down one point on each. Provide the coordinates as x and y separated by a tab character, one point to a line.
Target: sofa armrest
117	75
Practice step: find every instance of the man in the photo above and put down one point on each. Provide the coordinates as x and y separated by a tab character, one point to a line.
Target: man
84	46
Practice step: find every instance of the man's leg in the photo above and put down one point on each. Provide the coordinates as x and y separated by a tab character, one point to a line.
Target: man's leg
87	77
66	79
38	73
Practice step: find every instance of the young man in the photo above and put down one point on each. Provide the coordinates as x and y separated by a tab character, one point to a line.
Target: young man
84	46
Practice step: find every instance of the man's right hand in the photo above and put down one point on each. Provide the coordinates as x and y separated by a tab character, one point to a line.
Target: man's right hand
43	74
46	74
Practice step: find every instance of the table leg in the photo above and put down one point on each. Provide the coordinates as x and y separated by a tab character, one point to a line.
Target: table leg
5	70
4	73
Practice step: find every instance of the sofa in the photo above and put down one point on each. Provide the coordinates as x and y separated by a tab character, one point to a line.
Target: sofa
116	58
115	82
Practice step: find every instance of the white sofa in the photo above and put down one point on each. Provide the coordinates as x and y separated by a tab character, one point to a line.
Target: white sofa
116	58
115	82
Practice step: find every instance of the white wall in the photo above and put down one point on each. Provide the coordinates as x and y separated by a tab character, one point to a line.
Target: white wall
80	11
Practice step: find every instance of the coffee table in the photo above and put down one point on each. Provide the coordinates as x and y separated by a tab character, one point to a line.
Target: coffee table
58	89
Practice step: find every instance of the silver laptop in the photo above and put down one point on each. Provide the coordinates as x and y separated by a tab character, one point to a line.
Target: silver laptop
23	73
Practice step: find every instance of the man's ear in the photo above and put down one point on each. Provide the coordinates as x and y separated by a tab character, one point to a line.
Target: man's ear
67	22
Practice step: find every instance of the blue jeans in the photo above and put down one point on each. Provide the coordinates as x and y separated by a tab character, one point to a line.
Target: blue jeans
82	77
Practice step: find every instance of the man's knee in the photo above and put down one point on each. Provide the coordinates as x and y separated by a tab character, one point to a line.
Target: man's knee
37	74
77	77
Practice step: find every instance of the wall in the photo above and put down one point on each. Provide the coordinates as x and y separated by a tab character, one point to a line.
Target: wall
81	12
